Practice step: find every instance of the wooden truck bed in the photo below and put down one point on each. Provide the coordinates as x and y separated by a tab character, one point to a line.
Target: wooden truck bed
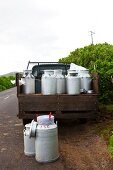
62	106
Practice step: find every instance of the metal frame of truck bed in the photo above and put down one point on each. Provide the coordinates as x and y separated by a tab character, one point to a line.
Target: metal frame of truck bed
62	106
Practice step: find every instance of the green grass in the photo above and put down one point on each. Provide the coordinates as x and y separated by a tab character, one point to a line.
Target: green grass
110	146
106	107
105	130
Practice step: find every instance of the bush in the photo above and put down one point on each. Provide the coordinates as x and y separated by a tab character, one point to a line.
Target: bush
97	58
5	82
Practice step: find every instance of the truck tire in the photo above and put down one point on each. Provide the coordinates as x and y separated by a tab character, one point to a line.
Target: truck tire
83	120
26	121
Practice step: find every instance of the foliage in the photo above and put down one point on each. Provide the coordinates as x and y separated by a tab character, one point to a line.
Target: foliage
5	82
106	107
105	130
97	58
111	145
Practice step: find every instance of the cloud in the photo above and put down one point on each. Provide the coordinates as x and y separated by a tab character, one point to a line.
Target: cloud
49	29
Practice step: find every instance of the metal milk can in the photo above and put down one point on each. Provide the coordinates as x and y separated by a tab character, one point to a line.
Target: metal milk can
25	72
85	80
29	83
29	142
60	81
46	143
73	83
48	83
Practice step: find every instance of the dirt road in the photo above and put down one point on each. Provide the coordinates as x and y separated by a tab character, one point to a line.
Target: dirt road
80	146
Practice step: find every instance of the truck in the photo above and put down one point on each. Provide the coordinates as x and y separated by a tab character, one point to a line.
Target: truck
62	106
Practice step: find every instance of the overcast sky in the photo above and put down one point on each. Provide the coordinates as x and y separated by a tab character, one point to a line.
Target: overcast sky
46	30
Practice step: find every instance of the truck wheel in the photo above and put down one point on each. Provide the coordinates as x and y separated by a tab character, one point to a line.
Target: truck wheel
26	121
83	120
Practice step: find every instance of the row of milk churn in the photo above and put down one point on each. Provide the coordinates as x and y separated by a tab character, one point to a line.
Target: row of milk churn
41	139
54	82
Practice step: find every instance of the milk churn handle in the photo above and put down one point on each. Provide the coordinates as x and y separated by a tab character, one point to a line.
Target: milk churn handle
32	132
50	115
37	114
24	131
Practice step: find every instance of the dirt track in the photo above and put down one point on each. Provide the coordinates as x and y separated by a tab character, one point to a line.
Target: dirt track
79	144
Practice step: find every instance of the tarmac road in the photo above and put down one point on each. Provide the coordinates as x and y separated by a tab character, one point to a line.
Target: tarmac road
8	101
11	138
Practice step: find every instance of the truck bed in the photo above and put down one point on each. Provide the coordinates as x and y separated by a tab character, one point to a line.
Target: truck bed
62	106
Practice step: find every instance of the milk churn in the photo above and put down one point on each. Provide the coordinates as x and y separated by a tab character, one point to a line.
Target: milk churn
25	72
29	142
85	80
60	81
48	83
73	83
29	83
46	143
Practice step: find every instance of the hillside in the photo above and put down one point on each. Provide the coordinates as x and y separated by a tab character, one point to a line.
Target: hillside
9	74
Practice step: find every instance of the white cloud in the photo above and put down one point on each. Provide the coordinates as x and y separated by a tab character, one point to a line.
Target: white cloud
45	30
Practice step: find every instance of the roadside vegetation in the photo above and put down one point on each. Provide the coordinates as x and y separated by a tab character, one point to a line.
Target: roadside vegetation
97	58
111	145
105	130
5	82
